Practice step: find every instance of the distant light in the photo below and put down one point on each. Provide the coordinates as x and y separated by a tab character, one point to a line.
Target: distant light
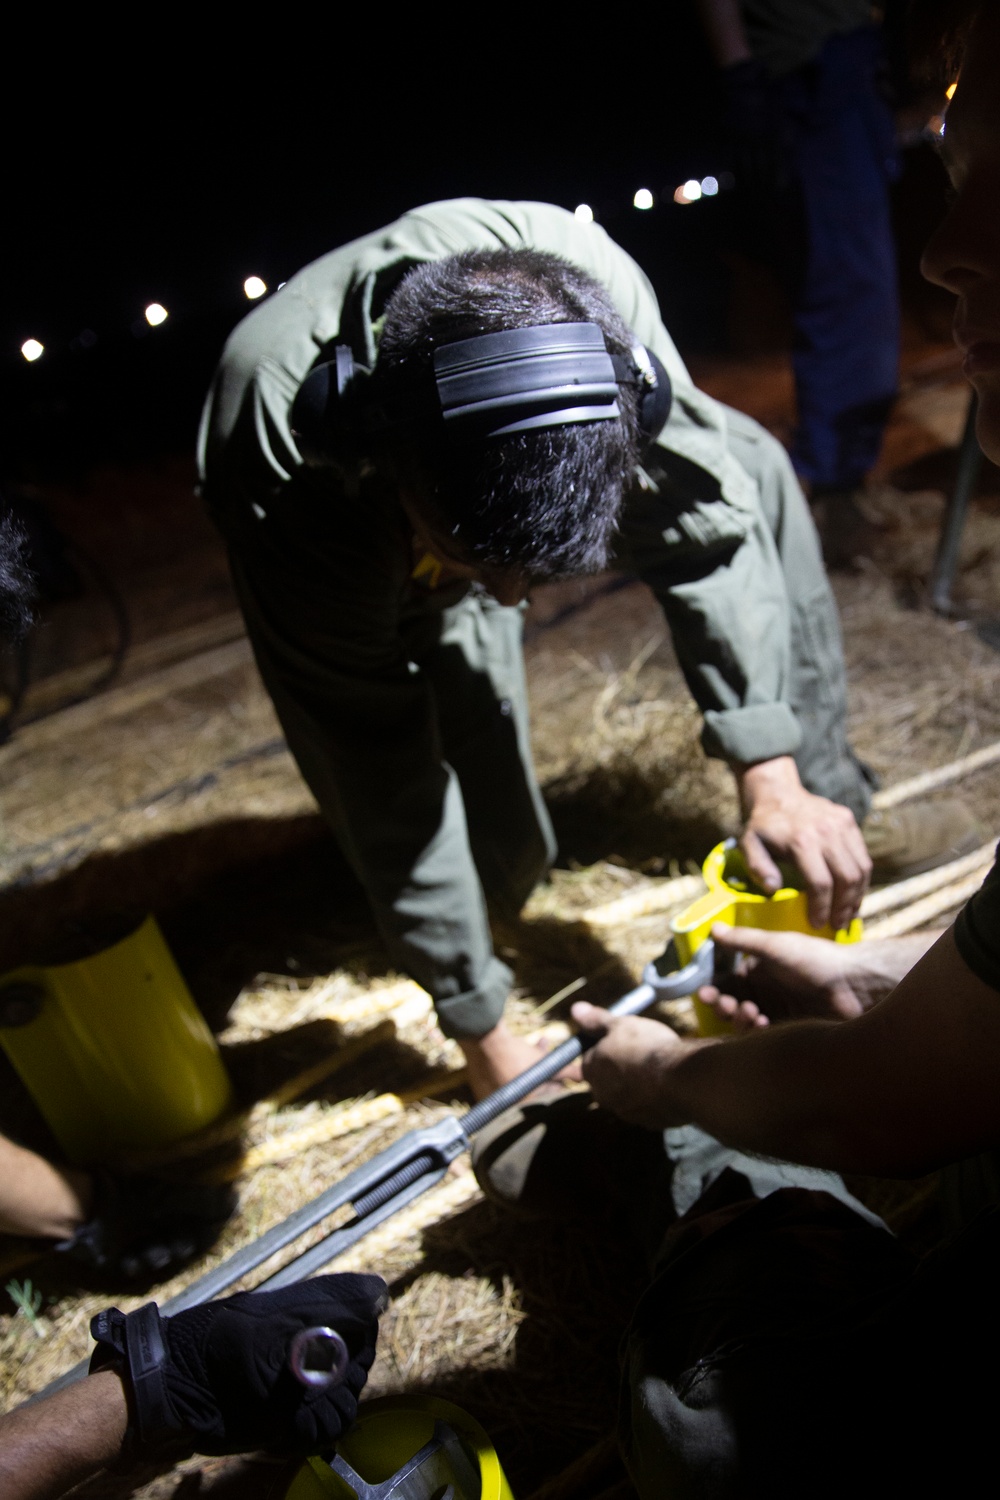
643	199
584	213
949	92
156	314
709	186
254	287
691	190
32	350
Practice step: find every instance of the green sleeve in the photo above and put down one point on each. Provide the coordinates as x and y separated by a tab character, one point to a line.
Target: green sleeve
977	930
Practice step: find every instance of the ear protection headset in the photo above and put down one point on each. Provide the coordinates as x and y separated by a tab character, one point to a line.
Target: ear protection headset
489	386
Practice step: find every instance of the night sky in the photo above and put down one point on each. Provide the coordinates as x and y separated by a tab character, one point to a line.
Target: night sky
173	178
151	169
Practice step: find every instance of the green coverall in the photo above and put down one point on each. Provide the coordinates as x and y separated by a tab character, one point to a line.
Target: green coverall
406	708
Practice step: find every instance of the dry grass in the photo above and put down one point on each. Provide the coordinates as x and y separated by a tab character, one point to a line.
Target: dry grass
180	810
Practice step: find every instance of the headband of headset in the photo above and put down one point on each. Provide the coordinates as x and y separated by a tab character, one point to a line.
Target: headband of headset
488	386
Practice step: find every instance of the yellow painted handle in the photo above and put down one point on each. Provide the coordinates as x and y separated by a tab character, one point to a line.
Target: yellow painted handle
732	897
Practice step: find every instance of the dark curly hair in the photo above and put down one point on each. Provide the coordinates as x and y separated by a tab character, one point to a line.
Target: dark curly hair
546	502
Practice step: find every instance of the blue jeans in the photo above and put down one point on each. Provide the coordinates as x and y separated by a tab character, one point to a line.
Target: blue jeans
843	281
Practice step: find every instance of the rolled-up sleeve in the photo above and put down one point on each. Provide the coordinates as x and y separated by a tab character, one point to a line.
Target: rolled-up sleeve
714	567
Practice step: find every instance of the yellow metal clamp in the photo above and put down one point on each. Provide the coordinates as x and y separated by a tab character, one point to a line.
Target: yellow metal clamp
376	1457
113	1049
732	897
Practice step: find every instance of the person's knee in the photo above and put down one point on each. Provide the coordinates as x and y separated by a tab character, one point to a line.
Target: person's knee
562	1156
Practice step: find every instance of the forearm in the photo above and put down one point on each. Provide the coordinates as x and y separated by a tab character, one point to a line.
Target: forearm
896	1092
52	1445
777	1093
723	24
875	968
37	1198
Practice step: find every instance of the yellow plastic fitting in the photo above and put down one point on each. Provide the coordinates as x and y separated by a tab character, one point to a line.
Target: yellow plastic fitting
113	1049
732	897
389	1431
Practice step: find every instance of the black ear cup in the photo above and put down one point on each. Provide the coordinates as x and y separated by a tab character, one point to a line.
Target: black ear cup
326	413
479	388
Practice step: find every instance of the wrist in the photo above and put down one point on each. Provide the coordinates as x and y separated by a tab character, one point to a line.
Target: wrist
766	781
873	969
681	1077
109	1415
134	1348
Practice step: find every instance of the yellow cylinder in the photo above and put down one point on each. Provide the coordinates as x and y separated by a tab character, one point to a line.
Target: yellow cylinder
387	1433
731	897
113	1049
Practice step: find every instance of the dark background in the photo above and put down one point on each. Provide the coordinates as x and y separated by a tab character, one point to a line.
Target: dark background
151	166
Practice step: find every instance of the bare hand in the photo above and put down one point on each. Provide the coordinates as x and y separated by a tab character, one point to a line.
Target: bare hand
628	1070
821	838
784	976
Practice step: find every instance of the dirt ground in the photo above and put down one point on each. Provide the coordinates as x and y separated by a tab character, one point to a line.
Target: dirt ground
171	792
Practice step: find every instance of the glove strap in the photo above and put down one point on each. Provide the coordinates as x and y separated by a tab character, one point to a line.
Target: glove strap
134	1345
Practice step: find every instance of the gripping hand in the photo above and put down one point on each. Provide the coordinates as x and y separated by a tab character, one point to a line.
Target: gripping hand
216	1379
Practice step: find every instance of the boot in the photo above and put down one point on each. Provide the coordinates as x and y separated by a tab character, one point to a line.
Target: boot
919	836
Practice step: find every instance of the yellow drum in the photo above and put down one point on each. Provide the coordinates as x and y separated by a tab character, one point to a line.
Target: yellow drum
387	1436
113	1049
732	897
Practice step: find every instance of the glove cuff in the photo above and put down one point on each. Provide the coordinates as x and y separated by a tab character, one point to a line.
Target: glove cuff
135	1346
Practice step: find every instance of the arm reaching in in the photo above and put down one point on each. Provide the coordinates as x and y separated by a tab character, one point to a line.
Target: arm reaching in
47	1448
786	976
213	1379
895	1092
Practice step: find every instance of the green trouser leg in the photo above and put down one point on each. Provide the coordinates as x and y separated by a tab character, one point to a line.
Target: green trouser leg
817	690
476	668
470	655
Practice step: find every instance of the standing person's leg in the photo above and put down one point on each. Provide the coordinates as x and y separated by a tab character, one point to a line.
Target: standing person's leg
477	670
845	297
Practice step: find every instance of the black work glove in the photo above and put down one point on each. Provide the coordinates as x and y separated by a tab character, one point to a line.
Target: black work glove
144	1229
215	1379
